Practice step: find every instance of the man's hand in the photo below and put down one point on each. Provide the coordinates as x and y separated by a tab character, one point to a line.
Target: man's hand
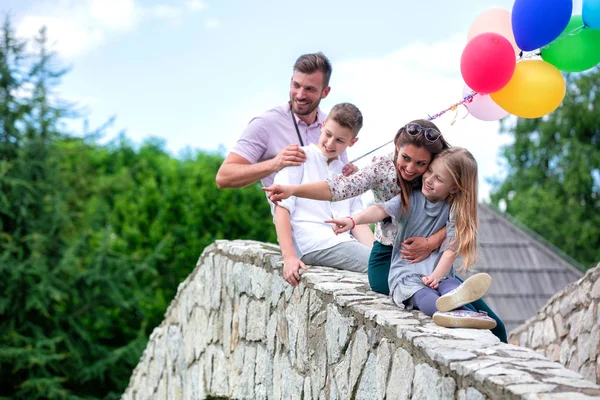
349	169
415	249
291	155
277	193
431	281
291	268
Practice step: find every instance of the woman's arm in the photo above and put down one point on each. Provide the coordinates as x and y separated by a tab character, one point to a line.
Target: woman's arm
337	188
419	248
313	190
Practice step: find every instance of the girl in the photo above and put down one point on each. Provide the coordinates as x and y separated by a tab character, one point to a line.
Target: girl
448	198
416	144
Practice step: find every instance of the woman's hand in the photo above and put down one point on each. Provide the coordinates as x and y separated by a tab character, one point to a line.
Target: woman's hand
277	193
415	249
340	225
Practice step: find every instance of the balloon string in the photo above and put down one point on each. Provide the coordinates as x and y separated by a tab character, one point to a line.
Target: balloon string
454	107
564	35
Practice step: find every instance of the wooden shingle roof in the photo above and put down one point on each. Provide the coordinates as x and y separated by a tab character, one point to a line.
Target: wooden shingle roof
525	271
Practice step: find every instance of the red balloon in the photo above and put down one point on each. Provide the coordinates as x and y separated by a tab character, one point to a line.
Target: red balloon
487	62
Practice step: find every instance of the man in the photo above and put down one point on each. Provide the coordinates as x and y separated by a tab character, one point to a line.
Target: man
272	141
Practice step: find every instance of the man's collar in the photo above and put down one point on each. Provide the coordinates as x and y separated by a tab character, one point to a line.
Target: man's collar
320	115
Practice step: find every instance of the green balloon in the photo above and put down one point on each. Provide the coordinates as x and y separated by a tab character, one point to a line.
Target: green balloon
576	49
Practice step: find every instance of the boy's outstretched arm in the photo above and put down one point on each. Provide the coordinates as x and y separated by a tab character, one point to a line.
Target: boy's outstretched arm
441	269
291	263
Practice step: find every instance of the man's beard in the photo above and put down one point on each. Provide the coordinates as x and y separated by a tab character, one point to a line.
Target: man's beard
308	111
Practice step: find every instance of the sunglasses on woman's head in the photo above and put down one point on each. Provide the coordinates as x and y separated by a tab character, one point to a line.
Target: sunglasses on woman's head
430	134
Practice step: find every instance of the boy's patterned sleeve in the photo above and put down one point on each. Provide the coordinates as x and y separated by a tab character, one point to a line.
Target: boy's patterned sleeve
345	187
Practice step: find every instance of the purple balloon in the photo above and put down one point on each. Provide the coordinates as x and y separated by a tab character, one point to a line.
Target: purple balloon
483	107
536	23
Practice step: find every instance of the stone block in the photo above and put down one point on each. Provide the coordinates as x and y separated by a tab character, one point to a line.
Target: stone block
402	374
367	386
337	331
383	361
256	320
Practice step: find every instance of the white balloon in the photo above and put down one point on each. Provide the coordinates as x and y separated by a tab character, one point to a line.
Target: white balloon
483	107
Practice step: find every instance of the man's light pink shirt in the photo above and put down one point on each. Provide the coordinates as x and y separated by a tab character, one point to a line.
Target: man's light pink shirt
266	135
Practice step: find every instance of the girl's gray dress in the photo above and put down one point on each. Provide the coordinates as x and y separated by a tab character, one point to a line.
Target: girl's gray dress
422	219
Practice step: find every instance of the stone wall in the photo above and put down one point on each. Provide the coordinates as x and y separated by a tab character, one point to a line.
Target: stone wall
236	329
567	329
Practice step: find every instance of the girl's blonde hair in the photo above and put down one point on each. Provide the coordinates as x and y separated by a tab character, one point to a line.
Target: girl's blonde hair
463	169
402	139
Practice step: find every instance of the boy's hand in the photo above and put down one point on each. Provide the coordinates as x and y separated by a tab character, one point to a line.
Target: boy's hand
340	225
349	169
415	249
277	193
431	281
291	268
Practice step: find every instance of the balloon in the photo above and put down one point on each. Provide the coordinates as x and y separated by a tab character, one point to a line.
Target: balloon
483	107
591	13
536	23
487	62
536	89
495	20
576	49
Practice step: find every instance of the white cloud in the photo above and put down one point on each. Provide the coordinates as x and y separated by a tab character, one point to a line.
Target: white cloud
195	5
417	80
67	37
212	23
113	14
163	11
75	27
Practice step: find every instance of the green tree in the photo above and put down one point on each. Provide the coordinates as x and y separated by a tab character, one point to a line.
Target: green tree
95	238
553	175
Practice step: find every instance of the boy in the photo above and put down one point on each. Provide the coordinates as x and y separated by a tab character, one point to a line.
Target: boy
303	235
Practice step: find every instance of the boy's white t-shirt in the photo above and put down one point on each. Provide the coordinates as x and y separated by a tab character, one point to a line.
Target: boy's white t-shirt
309	232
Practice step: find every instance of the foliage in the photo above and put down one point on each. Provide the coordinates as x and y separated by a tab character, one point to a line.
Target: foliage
553	177
95	238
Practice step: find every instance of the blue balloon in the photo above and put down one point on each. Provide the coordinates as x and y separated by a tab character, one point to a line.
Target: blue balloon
591	13
536	23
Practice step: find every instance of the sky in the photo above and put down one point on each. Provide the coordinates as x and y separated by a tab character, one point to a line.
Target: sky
194	72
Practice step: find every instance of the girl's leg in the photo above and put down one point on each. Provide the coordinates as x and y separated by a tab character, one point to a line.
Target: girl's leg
379	267
424	299
447	285
479	305
500	329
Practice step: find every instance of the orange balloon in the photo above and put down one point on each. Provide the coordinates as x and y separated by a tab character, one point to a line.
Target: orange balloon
537	88
496	20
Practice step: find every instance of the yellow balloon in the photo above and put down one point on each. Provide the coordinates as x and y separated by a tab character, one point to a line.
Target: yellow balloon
537	88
